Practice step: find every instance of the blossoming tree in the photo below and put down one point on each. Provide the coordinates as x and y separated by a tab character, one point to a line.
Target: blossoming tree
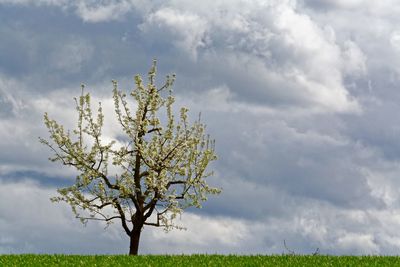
147	179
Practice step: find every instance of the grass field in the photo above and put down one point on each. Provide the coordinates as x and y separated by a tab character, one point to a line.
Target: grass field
196	260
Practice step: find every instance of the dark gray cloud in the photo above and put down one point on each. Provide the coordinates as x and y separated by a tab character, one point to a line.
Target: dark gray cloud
66	51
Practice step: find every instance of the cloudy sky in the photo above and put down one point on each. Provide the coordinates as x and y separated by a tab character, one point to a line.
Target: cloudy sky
302	97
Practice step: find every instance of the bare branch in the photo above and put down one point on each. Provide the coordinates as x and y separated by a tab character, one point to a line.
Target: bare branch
102	205
157	224
176	182
98	219
153	224
151	205
143	174
123	218
291	252
154	130
316	252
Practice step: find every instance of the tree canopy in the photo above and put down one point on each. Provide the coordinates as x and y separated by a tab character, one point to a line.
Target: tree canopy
147	177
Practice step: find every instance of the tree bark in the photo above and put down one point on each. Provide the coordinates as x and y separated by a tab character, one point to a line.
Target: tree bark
134	243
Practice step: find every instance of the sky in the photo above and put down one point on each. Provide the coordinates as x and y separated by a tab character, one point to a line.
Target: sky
302	98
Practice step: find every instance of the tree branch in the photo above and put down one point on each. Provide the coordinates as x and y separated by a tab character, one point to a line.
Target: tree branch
143	174
151	205
123	218
154	129
176	182
106	219
157	224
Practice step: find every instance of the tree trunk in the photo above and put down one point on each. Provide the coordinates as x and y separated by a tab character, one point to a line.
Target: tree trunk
134	244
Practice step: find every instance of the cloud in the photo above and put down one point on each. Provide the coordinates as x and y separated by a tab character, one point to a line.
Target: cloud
362	243
63	232
89	11
38	3
283	49
299	95
203	234
350	4
22	124
100	11
10	105
354	60
72	54
331	230
175	24
44	227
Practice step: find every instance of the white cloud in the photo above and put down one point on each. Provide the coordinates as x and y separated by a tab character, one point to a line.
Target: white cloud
205	232
23	124
313	49
395	40
354	60
100	11
361	243
282	47
187	28
47	227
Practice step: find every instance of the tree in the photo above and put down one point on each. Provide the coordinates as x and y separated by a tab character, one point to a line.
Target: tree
158	169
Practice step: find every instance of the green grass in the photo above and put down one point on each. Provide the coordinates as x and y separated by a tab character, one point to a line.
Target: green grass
196	260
